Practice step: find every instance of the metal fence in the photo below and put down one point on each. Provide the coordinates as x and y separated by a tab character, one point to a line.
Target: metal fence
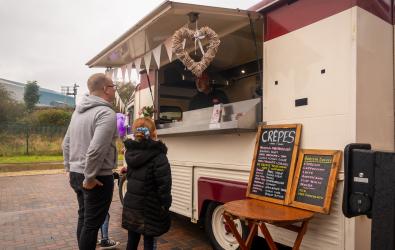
24	139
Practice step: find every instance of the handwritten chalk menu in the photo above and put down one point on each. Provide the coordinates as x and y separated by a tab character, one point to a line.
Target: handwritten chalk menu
315	178
274	162
314	174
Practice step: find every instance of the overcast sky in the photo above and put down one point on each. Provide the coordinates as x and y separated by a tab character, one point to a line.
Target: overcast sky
51	40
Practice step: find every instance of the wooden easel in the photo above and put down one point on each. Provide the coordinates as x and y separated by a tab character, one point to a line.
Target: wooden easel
258	209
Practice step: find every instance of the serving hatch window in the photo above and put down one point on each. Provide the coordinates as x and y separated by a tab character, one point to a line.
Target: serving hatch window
234	75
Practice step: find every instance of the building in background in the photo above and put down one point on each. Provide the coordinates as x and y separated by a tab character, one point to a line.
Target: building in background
48	98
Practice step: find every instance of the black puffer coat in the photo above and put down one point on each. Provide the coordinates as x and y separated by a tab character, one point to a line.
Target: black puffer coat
148	198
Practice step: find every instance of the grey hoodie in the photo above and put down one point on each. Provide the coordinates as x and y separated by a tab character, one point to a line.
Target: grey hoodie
89	145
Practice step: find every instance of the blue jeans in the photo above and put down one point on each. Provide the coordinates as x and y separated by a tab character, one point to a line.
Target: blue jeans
104	228
134	238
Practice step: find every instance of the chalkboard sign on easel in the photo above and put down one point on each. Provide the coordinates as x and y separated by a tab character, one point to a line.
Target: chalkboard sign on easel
274	162
315	179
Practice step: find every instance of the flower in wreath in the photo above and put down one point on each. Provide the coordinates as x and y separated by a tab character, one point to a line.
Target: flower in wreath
147	111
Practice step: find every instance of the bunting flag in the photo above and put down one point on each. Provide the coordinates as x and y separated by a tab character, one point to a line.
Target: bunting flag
137	64
168	45
147	60
123	70
115	72
119	102
108	72
129	69
156	52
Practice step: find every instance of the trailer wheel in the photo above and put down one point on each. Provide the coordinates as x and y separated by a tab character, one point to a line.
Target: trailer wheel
123	183
220	236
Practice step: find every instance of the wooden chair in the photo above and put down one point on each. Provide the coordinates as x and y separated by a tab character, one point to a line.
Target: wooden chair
256	213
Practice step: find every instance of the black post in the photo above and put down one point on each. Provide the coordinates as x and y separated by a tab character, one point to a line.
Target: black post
383	218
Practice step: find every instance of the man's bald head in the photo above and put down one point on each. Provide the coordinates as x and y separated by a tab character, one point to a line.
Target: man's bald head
97	82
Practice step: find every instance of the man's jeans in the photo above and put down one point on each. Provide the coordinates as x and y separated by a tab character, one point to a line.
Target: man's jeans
93	208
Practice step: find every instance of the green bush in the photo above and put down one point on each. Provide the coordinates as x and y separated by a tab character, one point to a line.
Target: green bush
51	117
10	110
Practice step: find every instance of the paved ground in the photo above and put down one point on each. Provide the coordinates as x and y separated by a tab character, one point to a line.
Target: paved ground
39	212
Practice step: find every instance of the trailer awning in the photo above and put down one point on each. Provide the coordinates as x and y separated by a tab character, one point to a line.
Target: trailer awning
157	27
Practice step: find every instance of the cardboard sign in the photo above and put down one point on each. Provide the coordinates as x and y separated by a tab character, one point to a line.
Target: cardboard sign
274	162
315	179
216	117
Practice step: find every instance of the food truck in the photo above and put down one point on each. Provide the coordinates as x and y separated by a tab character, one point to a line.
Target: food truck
327	65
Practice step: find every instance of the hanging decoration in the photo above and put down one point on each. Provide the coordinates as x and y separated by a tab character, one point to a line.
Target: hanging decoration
109	72
137	64
119	103
147	61
156	52
169	48
115	76
129	69
183	33
123	70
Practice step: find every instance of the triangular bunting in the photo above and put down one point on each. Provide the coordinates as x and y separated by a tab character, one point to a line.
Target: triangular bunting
156	53
108	72
123	70
147	61
129	69
137	64
168	45
115	71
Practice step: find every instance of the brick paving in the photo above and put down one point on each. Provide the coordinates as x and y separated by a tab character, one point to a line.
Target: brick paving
40	212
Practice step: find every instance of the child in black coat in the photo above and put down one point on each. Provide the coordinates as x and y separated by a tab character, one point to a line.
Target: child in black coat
148	197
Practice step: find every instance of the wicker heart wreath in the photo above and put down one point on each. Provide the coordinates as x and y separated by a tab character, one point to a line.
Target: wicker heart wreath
196	68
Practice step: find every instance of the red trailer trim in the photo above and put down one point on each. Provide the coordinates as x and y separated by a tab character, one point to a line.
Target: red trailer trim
302	13
219	190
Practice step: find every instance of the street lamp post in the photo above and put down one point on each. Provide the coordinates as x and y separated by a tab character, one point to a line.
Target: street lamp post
66	90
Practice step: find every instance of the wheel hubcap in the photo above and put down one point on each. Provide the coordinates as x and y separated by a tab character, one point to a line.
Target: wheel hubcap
222	232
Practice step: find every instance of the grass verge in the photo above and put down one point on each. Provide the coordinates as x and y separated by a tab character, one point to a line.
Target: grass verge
30	159
36	159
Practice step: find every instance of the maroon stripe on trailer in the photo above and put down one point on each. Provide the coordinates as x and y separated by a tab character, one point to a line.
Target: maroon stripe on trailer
301	13
210	189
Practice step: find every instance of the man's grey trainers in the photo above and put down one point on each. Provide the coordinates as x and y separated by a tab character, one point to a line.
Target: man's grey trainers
108	244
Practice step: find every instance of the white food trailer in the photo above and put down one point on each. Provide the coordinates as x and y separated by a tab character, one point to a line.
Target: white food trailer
326	64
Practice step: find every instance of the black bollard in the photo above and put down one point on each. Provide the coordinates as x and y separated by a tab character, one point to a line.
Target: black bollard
383	212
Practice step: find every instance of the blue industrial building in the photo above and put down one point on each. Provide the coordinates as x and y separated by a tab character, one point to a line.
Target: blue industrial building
48	98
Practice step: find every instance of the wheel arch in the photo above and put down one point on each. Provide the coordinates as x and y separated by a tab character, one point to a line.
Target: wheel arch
217	190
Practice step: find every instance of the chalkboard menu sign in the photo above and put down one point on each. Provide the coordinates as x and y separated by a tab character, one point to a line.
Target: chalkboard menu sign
274	162
315	179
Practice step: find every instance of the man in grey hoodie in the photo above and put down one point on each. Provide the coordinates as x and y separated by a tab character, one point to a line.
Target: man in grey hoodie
90	155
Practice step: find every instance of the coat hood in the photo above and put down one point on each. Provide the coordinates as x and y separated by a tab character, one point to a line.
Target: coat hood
91	101
138	153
